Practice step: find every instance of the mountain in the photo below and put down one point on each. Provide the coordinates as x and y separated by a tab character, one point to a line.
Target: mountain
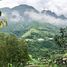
19	23
50	13
40	30
6	10
15	25
23	8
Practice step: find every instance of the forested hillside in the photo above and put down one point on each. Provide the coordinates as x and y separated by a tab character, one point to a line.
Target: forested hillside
29	38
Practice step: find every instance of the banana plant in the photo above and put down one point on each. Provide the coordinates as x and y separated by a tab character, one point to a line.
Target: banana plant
3	20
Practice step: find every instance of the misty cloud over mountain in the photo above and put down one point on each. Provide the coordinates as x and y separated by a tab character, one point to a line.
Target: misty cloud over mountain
26	12
22	16
29	13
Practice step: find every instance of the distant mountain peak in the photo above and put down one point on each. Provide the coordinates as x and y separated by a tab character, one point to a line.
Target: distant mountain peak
25	7
50	13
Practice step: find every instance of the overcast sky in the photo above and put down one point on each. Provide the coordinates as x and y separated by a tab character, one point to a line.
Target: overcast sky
57	6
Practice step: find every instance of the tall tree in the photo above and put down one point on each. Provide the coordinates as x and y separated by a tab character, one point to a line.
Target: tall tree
60	39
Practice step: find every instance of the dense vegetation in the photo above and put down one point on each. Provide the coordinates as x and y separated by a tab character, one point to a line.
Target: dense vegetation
51	52
33	48
12	51
36	44
31	42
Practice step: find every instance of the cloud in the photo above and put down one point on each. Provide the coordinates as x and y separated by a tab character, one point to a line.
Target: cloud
15	16
29	16
12	3
42	18
57	6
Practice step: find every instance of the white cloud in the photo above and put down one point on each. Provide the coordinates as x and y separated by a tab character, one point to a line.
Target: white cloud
8	3
42	18
12	3
58	6
15	17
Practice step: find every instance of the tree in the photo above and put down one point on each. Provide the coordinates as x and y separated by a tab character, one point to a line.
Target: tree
3	20
13	51
61	39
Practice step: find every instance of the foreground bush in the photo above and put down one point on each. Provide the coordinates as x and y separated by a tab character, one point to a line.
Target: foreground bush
12	51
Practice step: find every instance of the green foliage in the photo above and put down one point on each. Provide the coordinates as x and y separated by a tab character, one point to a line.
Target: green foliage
61	39
12	50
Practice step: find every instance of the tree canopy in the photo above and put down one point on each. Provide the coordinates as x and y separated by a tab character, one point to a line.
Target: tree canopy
12	50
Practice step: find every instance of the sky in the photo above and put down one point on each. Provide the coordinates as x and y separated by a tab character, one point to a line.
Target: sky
57	6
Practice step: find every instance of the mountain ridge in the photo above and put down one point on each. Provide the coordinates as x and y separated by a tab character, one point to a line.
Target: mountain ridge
50	13
22	8
20	27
